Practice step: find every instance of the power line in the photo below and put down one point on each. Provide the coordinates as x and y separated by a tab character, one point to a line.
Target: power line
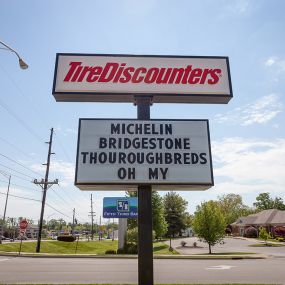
62	148
31	102
17	171
15	147
19	177
20	164
32	199
20	186
26	126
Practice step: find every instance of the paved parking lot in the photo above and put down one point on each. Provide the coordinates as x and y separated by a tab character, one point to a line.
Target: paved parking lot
230	245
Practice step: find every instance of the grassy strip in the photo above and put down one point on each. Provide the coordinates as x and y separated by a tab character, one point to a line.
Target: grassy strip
228	253
266	245
84	247
154	284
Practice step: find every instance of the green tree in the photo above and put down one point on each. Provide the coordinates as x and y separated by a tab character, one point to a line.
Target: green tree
159	224
265	202
158	219
233	208
175	213
263	234
209	223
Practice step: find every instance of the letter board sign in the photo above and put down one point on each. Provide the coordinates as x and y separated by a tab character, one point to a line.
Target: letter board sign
120	154
120	207
117	78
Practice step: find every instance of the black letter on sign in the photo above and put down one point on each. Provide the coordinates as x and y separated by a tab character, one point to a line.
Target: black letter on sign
153	173
84	153
131	173
123	172
163	172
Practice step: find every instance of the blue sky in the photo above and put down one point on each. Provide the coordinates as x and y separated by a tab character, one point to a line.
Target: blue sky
248	141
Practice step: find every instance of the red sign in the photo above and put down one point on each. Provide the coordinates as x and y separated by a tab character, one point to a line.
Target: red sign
23	224
118	78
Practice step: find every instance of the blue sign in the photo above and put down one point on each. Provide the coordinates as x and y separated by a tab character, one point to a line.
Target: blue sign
122	207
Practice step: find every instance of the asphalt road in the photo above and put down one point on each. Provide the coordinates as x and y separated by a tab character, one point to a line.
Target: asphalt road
88	270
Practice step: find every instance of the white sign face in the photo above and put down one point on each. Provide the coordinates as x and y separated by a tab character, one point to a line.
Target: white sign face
120	154
118	78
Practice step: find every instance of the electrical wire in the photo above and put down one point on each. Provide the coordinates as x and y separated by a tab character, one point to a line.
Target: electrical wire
32	199
26	126
17	171
20	186
20	164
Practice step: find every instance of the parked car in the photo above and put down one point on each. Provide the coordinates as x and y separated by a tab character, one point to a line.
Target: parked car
4	238
22	238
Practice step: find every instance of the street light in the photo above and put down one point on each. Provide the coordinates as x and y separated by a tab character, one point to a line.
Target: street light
22	64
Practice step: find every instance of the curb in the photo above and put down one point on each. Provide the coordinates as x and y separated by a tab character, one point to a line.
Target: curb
46	255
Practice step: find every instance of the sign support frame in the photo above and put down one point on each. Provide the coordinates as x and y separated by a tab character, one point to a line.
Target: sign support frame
145	249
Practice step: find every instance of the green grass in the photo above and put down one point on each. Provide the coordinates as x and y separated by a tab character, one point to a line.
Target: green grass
154	284
84	247
227	253
266	245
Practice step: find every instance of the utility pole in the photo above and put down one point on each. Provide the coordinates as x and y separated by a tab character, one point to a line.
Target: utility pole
45	184
4	216
92	219
145	250
73	219
100	229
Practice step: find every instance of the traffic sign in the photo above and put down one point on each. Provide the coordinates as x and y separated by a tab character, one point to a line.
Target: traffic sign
23	224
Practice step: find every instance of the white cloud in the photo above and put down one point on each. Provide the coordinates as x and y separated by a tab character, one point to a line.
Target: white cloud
243	165
239	7
270	61
276	66
261	111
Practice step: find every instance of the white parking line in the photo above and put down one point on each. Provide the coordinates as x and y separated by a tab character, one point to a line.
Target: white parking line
5	259
220	267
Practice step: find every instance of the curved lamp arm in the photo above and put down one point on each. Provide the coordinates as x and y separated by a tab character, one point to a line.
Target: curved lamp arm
22	64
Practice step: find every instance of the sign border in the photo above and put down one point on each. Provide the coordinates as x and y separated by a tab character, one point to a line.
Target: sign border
125	185
157	97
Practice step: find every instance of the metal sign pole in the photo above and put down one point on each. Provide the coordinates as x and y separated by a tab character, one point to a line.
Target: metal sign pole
145	250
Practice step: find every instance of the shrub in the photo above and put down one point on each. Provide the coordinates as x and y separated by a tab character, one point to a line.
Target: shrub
280	239
66	238
110	251
132	235
183	243
279	231
132	249
120	251
251	232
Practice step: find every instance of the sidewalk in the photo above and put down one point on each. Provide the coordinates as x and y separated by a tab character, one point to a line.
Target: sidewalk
164	256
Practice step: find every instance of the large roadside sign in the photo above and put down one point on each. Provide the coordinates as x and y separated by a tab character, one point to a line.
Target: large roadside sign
120	207
120	154
117	78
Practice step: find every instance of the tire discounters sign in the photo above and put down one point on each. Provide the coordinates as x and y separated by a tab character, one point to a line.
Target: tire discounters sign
120	154
117	78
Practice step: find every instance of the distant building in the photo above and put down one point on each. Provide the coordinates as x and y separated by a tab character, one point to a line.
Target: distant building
269	219
32	231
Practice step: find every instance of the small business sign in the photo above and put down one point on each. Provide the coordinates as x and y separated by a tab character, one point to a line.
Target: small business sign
117	78
122	207
120	154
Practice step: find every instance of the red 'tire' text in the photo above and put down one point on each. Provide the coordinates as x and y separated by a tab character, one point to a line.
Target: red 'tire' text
121	73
